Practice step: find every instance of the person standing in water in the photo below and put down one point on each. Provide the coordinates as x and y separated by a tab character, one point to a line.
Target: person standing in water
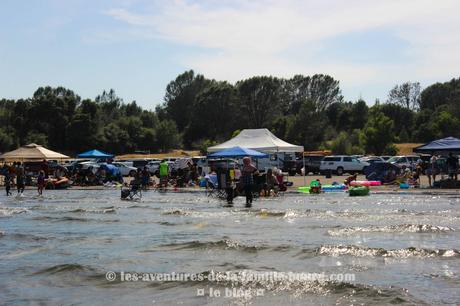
247	178
41	182
145	178
164	173
20	179
434	167
452	166
8	183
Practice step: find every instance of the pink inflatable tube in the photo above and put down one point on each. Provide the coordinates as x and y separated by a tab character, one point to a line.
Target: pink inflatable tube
365	183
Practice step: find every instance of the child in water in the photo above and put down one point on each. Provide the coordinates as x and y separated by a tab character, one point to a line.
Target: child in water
41	182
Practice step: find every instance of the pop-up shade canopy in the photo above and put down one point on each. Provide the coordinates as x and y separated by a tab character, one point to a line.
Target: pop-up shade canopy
237	152
449	144
94	154
32	152
257	139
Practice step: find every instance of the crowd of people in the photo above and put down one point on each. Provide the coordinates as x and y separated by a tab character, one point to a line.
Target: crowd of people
15	175
436	167
245	180
236	180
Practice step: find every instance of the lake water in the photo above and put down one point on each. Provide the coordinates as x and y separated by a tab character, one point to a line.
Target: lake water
392	248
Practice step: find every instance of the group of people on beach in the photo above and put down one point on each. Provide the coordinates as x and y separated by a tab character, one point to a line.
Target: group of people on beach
15	175
434	168
249	181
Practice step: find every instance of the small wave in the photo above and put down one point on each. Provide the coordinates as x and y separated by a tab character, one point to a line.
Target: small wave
60	219
166	223
106	210
357	251
177	212
141	206
27	237
402	228
270	213
71	219
9	211
298	285
225	244
63	268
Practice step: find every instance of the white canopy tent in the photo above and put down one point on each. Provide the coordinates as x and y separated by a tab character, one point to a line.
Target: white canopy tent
261	140
32	152
257	139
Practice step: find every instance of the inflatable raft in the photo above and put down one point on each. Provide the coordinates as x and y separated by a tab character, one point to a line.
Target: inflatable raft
61	183
358	191
365	183
324	188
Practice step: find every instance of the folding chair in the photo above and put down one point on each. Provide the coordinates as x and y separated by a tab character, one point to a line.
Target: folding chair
212	187
133	193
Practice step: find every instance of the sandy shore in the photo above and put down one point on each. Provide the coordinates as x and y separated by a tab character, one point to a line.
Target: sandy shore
299	181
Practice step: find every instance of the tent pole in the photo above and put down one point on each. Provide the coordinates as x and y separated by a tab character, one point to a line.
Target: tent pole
278	159
304	170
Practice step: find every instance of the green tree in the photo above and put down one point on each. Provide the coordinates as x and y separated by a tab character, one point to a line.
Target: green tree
50	112
377	135
446	124
215	114
167	136
403	118
259	100
6	141
37	138
307	127
180	97
114	139
322	89
406	95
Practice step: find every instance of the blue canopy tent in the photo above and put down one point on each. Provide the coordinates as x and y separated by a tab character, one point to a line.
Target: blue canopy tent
94	154
449	144
237	152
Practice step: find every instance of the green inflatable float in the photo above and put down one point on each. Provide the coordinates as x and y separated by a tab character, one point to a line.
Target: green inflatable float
358	191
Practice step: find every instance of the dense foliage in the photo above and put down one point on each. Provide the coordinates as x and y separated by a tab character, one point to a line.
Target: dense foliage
197	112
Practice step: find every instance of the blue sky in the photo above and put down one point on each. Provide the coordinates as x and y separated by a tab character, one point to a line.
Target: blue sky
137	47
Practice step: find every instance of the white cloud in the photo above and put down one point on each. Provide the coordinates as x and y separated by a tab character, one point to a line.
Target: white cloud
253	38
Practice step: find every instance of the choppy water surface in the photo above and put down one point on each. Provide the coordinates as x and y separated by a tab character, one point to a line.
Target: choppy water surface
402	249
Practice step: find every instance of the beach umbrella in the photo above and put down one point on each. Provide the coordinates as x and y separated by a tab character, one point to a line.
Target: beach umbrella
32	152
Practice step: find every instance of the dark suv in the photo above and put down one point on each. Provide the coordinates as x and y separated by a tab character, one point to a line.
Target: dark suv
312	163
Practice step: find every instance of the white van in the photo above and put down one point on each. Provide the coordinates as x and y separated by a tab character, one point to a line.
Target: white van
340	164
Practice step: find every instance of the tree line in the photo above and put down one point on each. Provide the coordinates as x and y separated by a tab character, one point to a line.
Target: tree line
198	112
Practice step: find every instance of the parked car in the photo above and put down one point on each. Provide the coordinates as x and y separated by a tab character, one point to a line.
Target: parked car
75	164
137	162
312	164
153	166
125	170
371	159
386	157
87	164
341	164
408	161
